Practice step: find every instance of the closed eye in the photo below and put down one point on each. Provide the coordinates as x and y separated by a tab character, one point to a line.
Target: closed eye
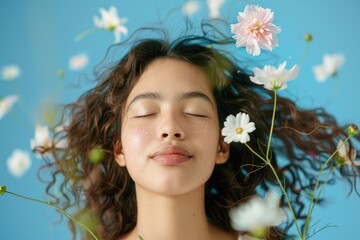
146	115
196	115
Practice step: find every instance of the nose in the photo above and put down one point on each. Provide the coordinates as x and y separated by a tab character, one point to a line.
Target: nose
171	127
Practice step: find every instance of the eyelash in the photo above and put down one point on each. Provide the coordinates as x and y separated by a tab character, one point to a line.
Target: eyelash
146	115
188	114
195	115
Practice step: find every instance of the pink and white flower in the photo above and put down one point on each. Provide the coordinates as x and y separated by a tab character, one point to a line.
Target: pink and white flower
255	30
237	129
330	66
274	78
19	162
111	22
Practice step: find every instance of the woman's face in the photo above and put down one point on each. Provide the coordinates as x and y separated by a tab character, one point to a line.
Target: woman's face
170	130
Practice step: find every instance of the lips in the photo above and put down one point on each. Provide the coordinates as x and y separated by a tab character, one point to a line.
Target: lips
171	155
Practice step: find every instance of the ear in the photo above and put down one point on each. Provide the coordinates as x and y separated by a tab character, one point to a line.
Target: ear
223	151
119	154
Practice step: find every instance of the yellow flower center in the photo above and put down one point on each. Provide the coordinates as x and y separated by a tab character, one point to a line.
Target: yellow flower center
257	29
238	130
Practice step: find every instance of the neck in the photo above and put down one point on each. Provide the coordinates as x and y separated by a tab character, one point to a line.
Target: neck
172	217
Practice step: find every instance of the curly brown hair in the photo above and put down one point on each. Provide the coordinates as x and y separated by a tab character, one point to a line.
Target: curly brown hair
107	190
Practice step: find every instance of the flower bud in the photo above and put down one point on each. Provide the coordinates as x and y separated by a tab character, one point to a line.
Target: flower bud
96	154
2	189
308	37
352	129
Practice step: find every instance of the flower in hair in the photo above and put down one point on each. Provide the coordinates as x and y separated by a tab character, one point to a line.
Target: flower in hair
237	129
257	214
255	30
330	66
274	78
19	162
111	22
6	104
343	155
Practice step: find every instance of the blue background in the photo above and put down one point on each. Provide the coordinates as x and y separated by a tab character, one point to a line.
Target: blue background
38	35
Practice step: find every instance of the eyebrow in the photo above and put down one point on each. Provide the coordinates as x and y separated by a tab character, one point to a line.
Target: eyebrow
158	96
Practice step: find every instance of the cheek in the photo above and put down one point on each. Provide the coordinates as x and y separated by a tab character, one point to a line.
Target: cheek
208	131
134	139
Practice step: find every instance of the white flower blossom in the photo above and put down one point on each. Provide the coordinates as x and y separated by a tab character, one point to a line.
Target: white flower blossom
343	154
255	30
42	137
258	213
330	66
190	7
10	72
274	78
111	22
19	162
214	7
237	129
78	61
6	104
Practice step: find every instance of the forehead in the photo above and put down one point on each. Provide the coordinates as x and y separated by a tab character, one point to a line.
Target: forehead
171	77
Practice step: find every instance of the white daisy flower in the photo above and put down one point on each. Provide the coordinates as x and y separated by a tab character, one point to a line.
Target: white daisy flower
111	22
330	66
274	78
78	62
258	213
19	162
10	72
343	156
190	7
237	129
6	104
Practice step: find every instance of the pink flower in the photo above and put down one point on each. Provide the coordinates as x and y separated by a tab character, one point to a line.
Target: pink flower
255	29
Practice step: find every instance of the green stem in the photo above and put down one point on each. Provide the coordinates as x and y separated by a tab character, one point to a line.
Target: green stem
57	208
312	203
287	199
271	127
79	37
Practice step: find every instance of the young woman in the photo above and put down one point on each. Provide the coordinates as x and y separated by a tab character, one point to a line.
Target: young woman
166	172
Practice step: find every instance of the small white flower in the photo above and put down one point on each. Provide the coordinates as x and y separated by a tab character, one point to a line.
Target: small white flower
214	7
343	154
78	62
330	66
255	30
190	7
42	137
258	213
237	129
111	22
19	162
10	72
6	104
274	78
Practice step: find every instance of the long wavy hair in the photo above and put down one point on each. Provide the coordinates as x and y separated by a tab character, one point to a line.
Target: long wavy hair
302	140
